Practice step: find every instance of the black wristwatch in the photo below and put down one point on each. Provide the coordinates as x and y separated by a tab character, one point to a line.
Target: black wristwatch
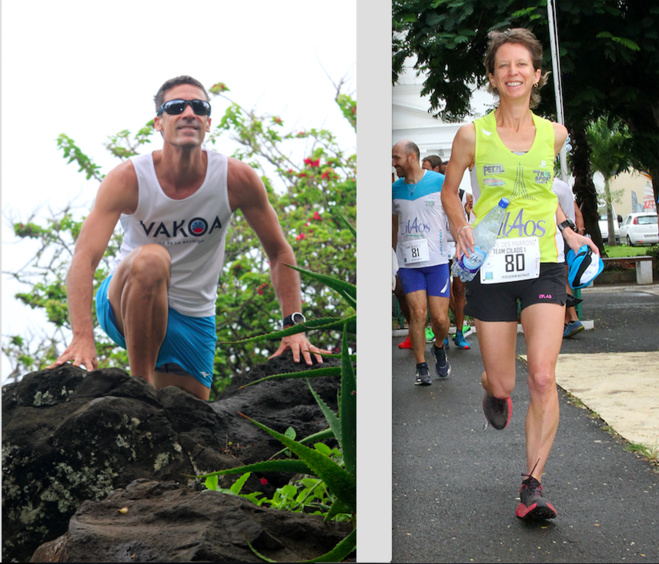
294	319
567	223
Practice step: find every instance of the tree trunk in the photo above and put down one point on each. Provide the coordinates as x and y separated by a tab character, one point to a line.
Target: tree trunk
609	213
584	188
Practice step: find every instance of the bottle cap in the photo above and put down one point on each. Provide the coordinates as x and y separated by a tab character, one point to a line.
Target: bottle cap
503	203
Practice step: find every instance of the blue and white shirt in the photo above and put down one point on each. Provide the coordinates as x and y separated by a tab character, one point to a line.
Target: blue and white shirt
422	223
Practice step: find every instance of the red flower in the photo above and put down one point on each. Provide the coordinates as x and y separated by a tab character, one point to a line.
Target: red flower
277	120
300	237
264	482
303	175
312	163
219	87
316	215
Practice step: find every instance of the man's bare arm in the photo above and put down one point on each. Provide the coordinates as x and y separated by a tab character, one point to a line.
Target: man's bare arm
247	193
116	194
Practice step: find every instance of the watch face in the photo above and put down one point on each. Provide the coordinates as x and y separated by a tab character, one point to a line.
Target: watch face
297	318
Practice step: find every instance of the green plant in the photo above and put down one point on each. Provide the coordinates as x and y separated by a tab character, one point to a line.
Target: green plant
336	472
305	494
649	453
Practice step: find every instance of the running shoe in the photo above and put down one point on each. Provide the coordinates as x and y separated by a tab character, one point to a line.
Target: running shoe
446	343
442	366
497	411
430	336
533	506
572	328
466	330
422	376
460	341
406	344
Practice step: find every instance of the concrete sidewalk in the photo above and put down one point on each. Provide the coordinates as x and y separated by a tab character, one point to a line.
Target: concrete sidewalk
455	485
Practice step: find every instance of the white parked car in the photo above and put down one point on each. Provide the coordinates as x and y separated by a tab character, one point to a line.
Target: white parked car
640	229
604	224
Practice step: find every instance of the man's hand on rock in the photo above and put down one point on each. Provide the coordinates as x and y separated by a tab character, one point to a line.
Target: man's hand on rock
299	343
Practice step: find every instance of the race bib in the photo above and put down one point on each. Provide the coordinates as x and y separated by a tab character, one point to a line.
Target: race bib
415	250
511	260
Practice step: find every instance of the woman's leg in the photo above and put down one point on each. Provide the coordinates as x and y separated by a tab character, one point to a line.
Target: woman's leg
497	341
543	331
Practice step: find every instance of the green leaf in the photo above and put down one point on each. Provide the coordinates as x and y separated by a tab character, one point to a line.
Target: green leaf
628	43
324	323
339	481
348	410
313	373
293	466
239	483
344	221
338	554
330	416
347	290
211	482
319	436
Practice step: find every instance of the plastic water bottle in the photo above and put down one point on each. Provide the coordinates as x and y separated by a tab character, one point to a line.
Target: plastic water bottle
485	236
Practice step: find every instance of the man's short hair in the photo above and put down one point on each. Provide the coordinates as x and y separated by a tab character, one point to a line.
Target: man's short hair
435	161
159	98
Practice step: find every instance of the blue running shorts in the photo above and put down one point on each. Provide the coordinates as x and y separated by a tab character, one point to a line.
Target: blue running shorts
434	280
189	341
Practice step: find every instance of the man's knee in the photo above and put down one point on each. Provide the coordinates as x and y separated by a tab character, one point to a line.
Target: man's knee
150	265
418	313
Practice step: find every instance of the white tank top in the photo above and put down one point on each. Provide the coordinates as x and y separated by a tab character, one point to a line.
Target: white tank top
193	230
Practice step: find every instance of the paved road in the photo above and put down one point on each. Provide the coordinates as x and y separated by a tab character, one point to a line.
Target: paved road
455	485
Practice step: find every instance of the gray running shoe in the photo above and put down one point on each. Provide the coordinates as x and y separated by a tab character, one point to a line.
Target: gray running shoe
442	366
533	506
422	376
497	411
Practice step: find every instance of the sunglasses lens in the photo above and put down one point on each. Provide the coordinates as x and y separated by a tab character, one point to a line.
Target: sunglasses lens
176	107
201	107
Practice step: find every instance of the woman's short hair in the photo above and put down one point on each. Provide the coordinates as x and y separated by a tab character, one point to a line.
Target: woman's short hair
520	36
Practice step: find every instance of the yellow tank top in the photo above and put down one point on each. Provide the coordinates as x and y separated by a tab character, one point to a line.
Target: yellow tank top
526	180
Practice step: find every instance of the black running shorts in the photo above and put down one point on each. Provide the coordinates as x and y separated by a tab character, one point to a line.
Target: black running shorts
499	302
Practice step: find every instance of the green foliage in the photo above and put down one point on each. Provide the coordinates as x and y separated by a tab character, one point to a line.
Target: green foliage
72	152
306	494
331	473
607	137
307	175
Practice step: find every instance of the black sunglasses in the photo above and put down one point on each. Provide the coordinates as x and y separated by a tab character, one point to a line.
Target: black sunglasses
177	107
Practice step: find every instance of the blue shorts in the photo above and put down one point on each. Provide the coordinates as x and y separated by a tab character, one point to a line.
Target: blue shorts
189	341
434	280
